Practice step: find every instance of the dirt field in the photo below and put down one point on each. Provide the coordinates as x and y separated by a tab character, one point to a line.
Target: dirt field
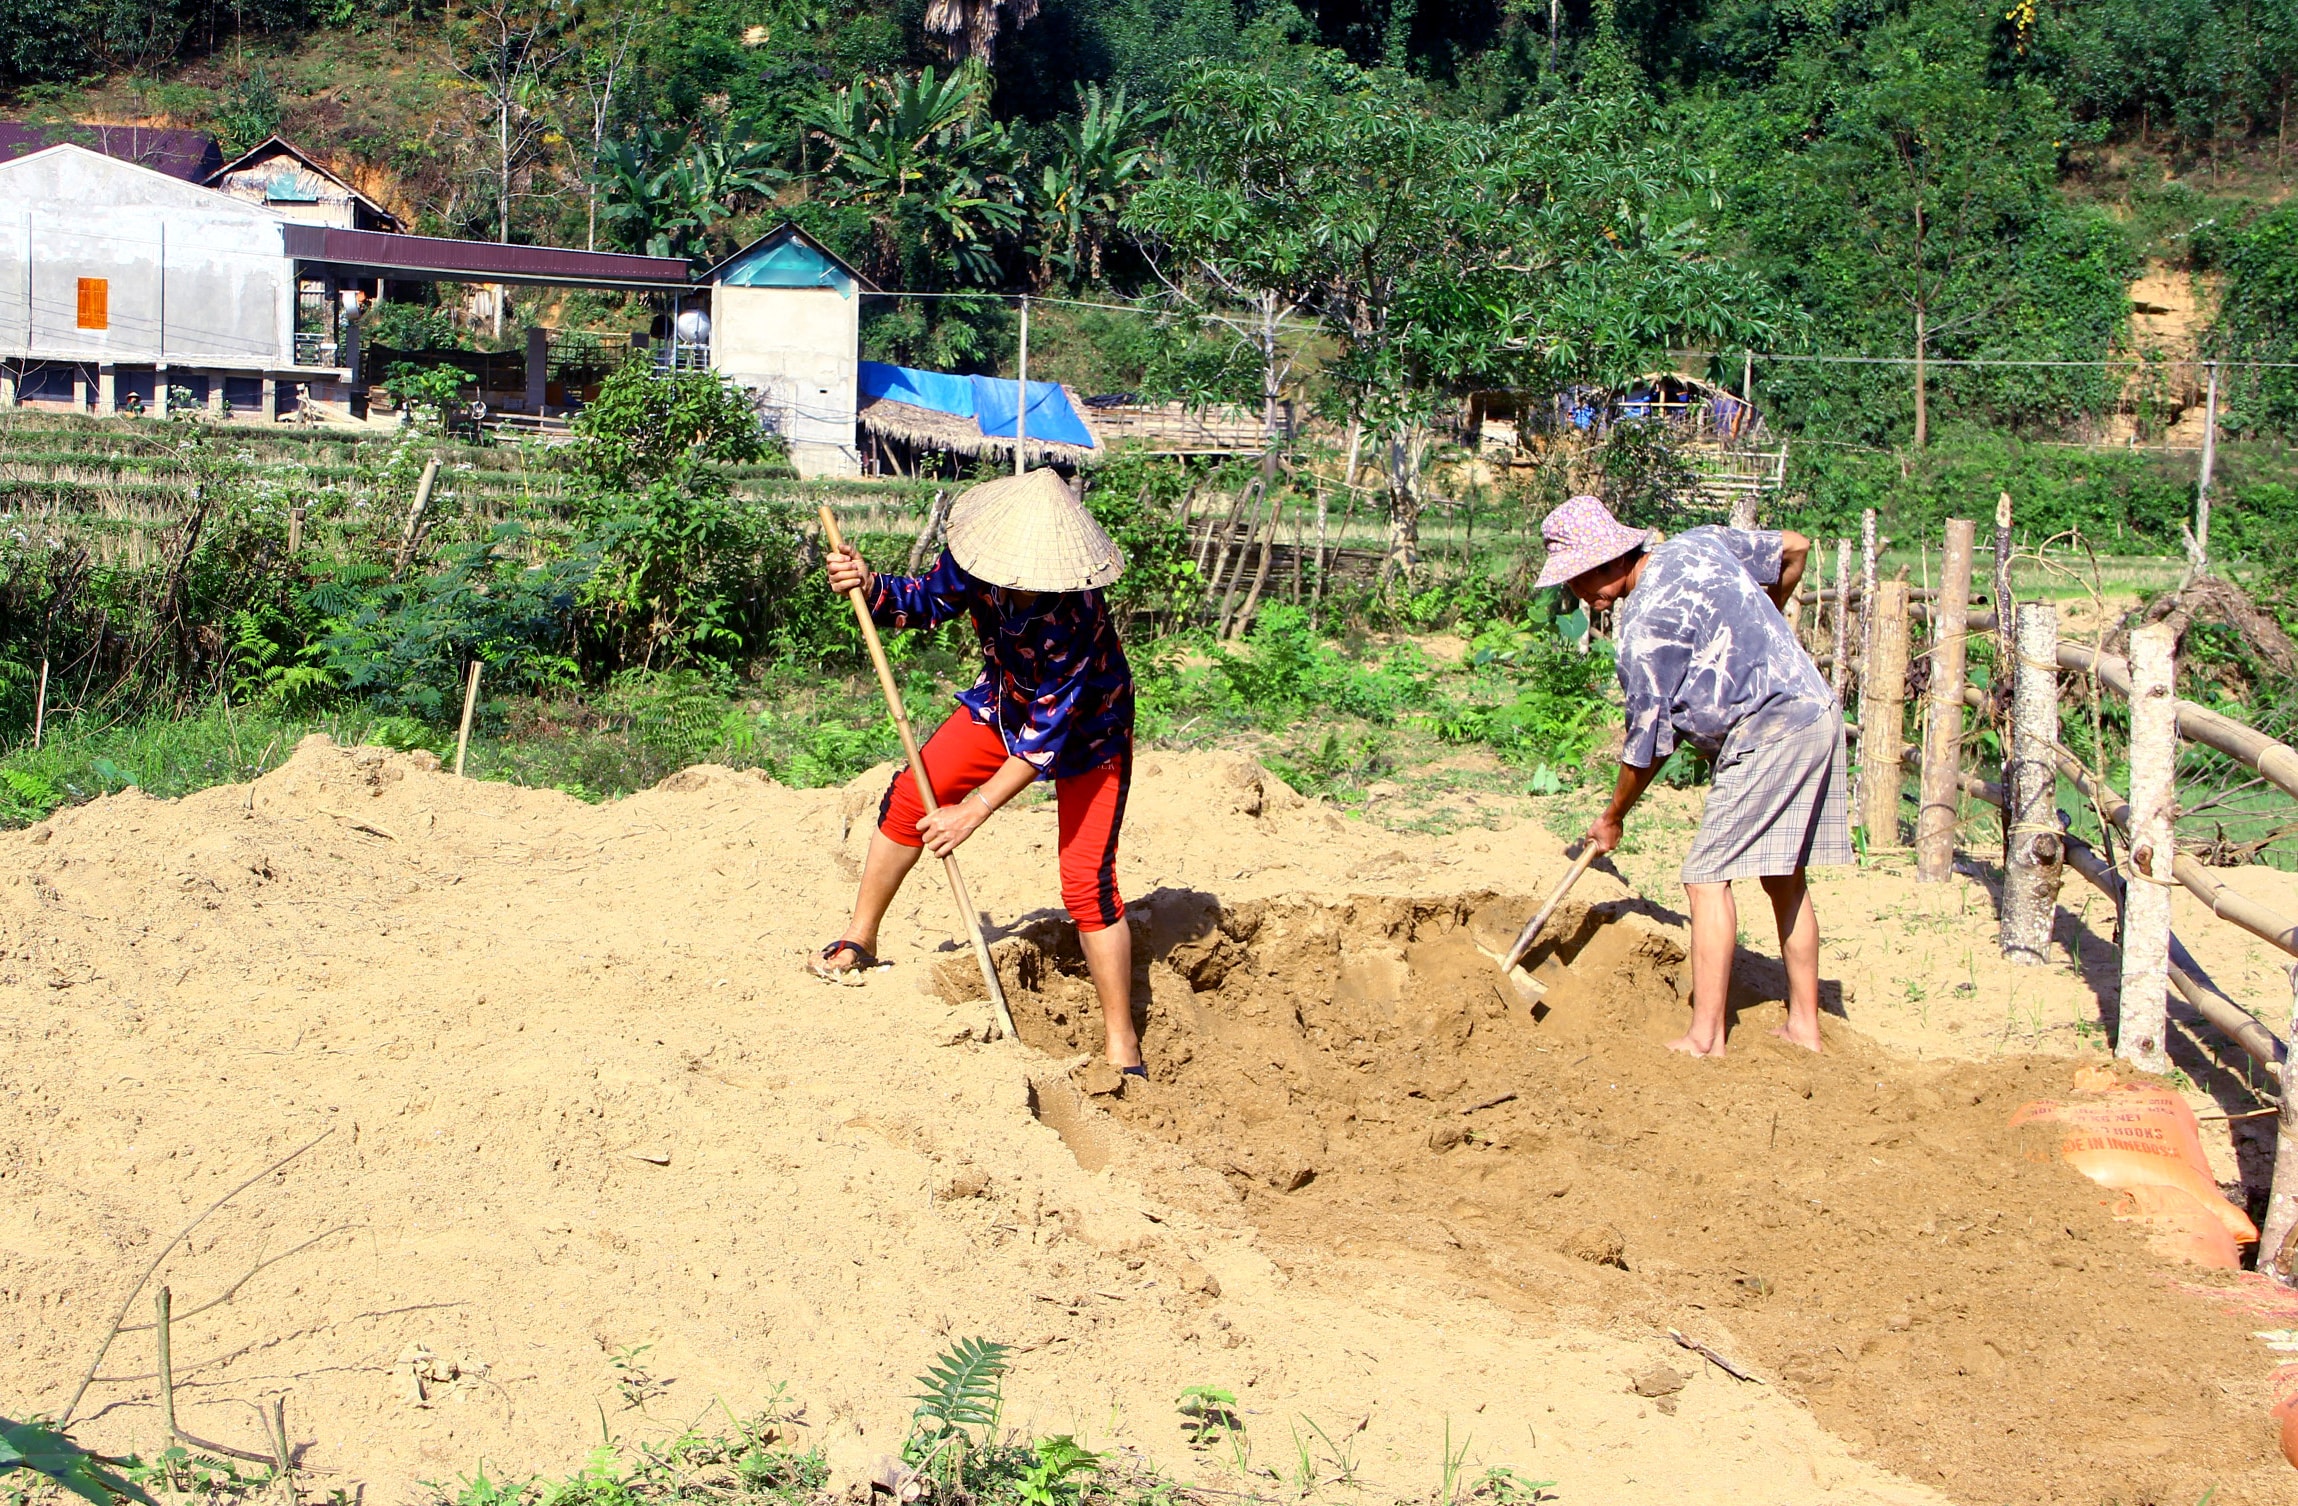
578	1098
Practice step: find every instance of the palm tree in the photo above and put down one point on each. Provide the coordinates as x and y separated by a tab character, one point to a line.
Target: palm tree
970	27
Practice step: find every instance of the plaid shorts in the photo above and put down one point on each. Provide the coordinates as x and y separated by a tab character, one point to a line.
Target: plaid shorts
1781	802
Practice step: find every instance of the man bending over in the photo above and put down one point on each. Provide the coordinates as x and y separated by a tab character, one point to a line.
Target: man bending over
1705	655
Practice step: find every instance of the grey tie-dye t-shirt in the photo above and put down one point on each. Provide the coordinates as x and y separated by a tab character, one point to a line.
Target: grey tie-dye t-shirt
1702	651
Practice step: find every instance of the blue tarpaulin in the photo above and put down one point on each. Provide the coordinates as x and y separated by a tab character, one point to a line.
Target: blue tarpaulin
989	401
1050	417
937	390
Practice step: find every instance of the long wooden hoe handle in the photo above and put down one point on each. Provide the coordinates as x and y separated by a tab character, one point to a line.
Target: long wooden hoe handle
925	785
1531	931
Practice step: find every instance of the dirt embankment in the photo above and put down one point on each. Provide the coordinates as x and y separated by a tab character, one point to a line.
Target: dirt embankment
581	1099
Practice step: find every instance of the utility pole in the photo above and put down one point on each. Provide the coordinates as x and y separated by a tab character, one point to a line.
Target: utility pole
1021	403
2198	541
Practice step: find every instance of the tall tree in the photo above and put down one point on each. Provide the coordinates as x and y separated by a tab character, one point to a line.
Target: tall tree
1907	198
1443	254
1100	155
505	51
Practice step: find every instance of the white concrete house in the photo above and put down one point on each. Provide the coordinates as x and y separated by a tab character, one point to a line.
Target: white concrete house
118	282
785	322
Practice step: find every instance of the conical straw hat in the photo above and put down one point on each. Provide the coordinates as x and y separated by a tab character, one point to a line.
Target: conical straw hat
1031	533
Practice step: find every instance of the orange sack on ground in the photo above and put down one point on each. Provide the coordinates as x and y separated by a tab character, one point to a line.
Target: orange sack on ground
2145	1144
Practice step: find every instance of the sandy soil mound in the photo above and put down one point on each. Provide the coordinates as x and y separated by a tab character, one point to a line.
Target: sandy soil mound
578	1098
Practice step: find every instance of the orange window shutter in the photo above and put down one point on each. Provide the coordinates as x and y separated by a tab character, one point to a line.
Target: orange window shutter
95	303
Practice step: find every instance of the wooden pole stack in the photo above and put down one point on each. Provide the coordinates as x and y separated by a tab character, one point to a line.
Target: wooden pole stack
1882	713
1939	808
2032	852
2144	1031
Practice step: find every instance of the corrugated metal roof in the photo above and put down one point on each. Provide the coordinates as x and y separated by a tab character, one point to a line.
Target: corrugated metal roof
375	253
189	155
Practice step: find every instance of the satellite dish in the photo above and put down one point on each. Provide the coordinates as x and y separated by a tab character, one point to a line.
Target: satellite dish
693	327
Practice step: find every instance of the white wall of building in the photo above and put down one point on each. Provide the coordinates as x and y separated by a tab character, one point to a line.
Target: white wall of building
192	277
798	349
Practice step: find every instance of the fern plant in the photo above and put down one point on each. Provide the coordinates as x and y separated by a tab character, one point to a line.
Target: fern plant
47	1451
959	1407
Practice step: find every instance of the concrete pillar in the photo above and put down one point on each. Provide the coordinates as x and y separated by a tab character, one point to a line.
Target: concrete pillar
538	369
7	385
107	390
79	388
215	394
160	377
270	389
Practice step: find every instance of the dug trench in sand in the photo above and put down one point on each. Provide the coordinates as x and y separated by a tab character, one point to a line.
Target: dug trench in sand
568	1121
1863	1232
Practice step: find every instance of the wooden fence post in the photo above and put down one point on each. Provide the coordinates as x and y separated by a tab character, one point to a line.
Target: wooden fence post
2033	853
1882	716
1940	805
1839	673
1866	580
2003	605
1863	670
295	529
2141	1040
2276	1254
470	703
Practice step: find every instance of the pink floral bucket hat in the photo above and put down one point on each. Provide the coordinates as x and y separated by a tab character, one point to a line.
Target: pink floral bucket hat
1581	535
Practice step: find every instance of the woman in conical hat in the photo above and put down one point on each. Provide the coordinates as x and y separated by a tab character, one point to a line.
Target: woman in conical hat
1026	562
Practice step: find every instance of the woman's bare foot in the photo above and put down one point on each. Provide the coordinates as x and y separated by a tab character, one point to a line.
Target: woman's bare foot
1690	1046
840	958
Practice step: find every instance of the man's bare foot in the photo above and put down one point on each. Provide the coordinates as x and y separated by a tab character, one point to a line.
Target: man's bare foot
1807	1039
1691	1047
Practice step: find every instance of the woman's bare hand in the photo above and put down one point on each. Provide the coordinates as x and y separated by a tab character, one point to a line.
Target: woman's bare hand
848	572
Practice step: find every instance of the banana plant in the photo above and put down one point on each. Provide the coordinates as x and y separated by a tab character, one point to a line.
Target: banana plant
923	154
1100	154
666	192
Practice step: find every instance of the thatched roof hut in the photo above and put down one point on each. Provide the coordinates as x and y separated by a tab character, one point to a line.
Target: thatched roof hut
920	431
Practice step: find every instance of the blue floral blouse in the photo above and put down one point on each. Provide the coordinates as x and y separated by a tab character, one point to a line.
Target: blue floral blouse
1054	681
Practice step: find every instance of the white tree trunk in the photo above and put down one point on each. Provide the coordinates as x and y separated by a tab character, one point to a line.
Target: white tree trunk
1940	806
2146	902
2030	788
2277	1254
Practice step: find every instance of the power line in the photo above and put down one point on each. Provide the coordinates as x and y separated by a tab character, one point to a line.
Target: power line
2134	362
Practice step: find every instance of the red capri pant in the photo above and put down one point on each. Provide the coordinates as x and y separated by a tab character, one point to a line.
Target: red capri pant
962	756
